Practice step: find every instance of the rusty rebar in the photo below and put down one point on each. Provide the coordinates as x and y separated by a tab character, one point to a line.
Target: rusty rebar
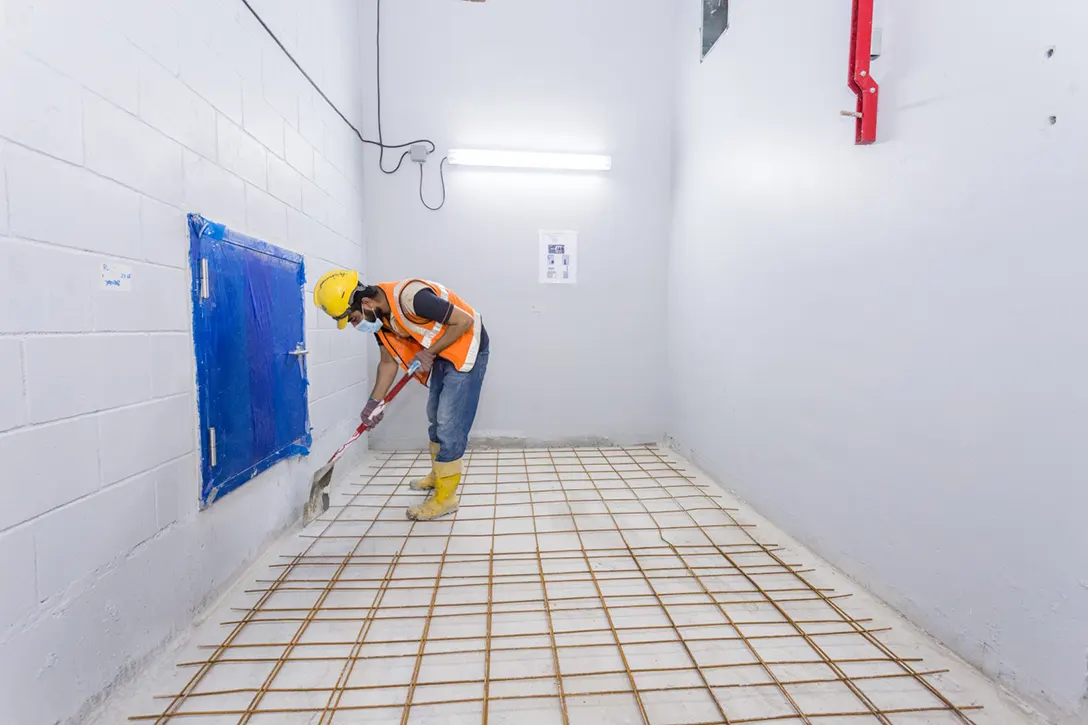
607	485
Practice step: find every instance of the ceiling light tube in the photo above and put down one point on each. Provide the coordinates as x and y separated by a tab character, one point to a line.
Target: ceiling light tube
530	160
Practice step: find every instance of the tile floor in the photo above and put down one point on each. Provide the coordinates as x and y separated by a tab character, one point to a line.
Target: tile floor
573	586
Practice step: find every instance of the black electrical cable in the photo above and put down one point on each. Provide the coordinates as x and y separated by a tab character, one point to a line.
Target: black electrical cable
442	176
378	77
380	143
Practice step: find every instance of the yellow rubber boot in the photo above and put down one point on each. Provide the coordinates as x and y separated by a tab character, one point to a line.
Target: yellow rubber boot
444	500
427	482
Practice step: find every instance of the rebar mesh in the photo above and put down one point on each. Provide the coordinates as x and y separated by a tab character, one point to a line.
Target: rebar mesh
572	586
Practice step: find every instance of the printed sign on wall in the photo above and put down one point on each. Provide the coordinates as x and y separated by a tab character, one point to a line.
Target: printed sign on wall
558	257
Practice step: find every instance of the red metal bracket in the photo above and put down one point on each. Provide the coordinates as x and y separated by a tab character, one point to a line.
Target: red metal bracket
861	81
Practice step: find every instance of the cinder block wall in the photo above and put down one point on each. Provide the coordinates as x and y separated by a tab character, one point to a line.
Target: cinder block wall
116	118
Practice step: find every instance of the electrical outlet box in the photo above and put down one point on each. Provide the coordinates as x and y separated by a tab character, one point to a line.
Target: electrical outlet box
420	152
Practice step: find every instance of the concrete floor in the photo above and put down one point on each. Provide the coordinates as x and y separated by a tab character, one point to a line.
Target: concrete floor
573	586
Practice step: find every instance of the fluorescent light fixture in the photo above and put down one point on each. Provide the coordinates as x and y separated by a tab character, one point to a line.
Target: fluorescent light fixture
530	160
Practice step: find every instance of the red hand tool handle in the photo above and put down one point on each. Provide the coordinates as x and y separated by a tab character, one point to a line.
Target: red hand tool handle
385	401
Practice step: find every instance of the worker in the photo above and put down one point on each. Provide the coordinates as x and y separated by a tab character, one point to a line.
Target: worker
415	321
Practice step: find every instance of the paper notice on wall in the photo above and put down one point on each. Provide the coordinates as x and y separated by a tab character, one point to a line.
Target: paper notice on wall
558	257
116	277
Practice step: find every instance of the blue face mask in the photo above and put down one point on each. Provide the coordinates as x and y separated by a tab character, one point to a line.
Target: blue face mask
368	327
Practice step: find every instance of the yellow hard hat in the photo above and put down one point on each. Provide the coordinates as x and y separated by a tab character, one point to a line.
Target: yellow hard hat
333	294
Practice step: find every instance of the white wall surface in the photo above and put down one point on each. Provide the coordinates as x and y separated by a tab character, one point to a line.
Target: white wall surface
567	362
891	341
117	118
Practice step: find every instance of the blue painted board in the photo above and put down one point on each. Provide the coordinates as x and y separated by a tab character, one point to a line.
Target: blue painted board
248	316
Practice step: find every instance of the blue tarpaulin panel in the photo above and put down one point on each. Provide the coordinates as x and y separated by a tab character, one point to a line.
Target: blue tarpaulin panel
248	317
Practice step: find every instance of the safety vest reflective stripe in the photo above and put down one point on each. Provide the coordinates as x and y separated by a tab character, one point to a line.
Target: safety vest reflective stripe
474	346
424	335
463	352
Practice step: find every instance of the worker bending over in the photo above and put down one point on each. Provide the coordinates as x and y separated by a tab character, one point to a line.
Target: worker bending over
421	322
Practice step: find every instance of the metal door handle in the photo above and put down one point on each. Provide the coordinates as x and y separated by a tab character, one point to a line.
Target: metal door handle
300	352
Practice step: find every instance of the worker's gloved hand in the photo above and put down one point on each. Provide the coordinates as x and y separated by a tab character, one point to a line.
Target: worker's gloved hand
368	411
425	358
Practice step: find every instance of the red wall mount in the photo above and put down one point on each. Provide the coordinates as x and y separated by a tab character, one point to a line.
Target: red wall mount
861	80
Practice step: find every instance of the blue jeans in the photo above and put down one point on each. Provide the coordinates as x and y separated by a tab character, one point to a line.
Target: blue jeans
451	407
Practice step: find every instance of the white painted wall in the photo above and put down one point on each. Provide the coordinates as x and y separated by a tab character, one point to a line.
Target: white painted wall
117	118
878	347
891	338
567	363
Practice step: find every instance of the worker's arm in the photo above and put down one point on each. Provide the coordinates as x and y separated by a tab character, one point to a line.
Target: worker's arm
387	373
456	321
459	323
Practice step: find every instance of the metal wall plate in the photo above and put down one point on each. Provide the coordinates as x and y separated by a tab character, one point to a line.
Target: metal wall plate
715	23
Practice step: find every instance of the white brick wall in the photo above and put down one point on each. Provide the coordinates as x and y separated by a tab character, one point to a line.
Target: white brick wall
202	69
315	202
171	365
3	194
299	151
280	84
261	120
12	392
47	114
266	216
109	131
219	194
118	118
310	124
160	227
46	467
70	375
17	563
152	27
174	495
242	154
45	288
154	303
332	377
175	109
137	438
98	214
284	182
60	563
70	38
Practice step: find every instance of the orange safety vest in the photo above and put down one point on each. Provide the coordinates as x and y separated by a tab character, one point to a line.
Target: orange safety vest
410	333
